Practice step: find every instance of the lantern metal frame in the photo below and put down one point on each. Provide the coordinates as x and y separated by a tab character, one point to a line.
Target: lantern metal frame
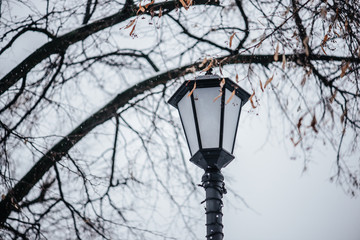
210	157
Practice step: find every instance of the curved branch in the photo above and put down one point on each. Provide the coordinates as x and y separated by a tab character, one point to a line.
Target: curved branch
61	43
22	188
24	30
56	153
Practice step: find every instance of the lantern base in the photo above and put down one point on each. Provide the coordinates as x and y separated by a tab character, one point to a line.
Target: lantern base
212	158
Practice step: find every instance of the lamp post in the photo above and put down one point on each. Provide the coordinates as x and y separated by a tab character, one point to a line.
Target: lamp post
209	108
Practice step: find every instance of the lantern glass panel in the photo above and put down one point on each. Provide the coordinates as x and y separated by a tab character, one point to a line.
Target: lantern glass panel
231	114
208	115
187	119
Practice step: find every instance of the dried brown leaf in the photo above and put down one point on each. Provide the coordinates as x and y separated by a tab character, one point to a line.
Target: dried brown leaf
269	81
231	39
191	69
346	25
251	100
193	89
337	14
220	94
330	27
231	96
160	12
220	69
132	30
222	83
295	143
344	68
276	54
223	60
299	123
147	5
332	98
283	61
322	48
286	12
203	62
306	46
130	24
326	37
259	44
184	4
141	9
323	12
208	66
313	124
342	117
303	81
237	78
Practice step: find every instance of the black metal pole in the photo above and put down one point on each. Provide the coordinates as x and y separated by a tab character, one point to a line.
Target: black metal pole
213	182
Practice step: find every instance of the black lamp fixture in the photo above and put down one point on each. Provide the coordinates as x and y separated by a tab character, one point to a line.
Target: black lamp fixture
209	108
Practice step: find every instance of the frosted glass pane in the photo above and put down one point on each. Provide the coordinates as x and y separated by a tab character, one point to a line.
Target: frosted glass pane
187	119
230	120
208	113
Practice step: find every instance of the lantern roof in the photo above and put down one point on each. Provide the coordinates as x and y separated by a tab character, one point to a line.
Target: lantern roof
208	81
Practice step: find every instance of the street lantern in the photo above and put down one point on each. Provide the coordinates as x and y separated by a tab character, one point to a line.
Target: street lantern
209	108
209	119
